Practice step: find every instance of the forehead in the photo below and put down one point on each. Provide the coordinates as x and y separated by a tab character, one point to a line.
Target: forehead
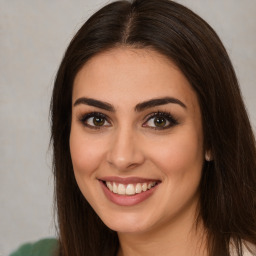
128	75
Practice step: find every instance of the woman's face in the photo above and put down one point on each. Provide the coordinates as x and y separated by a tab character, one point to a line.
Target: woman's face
136	140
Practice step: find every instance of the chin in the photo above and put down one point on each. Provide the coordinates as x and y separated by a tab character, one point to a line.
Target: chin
128	222
127	227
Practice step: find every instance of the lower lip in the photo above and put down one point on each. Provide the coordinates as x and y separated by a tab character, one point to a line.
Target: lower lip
125	200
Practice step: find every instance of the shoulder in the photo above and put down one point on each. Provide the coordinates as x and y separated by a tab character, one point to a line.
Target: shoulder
44	247
249	249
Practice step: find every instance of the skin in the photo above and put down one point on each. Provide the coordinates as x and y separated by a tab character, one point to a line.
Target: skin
128	144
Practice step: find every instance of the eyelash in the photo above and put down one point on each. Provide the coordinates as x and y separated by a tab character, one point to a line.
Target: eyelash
85	117
165	115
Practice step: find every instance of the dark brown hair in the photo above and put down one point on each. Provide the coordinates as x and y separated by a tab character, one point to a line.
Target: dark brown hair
228	185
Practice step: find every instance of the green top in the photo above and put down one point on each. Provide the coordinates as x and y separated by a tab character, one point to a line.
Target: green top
45	247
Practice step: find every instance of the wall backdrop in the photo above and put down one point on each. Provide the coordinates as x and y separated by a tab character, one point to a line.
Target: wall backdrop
33	37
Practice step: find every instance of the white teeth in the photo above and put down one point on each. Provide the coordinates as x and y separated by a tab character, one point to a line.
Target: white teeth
151	184
138	188
130	189
144	187
121	189
114	188
109	185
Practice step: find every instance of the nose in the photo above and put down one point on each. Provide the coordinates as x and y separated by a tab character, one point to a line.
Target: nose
125	150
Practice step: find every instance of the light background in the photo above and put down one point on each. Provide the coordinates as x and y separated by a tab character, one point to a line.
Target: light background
33	37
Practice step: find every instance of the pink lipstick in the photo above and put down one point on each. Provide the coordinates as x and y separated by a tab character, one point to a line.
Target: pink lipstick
128	191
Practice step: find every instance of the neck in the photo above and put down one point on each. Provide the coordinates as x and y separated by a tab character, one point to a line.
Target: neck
180	238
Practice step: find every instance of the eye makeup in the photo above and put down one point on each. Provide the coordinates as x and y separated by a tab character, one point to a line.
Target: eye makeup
94	120
158	120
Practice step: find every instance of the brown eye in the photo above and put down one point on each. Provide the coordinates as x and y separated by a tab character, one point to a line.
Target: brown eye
98	121
95	120
160	122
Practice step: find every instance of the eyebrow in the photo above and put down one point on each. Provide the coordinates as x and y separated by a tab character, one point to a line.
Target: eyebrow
95	103
139	107
158	102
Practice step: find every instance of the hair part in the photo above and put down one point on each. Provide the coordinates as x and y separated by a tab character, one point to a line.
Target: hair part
227	189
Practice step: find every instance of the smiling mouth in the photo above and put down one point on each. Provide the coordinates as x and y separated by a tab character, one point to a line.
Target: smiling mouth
129	189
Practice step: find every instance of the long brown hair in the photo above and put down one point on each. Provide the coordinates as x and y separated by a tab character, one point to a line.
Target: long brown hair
228	185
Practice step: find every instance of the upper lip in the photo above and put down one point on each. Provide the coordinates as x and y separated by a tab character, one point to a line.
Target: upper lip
127	180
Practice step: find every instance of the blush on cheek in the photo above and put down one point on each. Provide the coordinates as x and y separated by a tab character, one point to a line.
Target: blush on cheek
179	157
84	160
86	155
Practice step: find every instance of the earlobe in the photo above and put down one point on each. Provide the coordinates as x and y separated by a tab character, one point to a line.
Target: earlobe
208	155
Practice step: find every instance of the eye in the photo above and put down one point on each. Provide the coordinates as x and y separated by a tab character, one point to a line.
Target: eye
160	120
95	120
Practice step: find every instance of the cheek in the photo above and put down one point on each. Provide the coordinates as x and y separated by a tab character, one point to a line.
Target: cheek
179	155
179	159
86	154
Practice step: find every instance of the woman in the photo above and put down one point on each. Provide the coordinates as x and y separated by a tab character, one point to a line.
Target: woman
153	150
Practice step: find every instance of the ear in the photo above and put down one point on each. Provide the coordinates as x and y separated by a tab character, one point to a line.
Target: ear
208	155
